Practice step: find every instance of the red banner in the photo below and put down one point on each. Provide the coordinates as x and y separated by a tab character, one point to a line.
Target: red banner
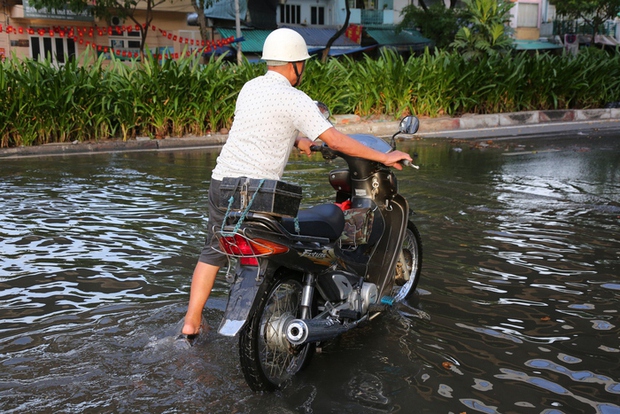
354	32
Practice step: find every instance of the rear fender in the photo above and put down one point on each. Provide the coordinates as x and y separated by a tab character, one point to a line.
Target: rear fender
241	300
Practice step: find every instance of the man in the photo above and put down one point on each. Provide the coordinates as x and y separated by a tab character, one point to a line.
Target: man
269	114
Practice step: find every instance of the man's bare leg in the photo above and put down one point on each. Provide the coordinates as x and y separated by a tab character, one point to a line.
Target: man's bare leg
202	283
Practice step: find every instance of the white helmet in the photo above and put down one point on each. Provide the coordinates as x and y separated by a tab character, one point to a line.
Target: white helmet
284	45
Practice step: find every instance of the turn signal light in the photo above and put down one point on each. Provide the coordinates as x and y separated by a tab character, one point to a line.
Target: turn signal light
266	247
238	245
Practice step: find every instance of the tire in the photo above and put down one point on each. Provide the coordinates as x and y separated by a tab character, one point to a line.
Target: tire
268	360
409	265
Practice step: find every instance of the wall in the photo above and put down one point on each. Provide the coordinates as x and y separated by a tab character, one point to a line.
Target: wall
526	19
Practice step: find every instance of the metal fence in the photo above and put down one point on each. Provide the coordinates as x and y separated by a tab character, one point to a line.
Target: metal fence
372	17
562	27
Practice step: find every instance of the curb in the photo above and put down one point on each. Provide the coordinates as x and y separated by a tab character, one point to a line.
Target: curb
138	144
348	124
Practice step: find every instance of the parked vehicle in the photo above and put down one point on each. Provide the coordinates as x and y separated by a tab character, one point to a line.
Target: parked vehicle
307	276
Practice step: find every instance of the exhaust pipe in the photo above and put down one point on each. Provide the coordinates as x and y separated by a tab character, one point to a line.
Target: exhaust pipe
299	331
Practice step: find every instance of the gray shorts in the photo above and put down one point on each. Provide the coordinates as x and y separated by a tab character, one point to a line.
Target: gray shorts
216	217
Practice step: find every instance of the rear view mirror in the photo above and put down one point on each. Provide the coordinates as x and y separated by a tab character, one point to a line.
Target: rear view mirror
324	109
409	125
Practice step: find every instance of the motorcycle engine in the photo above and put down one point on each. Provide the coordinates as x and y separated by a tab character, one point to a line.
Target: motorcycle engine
347	293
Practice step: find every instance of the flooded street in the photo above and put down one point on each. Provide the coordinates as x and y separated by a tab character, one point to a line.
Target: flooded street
517	311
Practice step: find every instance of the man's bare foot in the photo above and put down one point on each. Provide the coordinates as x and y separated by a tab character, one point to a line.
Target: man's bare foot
190	329
187	340
194	327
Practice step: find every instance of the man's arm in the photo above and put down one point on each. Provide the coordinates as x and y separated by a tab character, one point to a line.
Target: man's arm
338	141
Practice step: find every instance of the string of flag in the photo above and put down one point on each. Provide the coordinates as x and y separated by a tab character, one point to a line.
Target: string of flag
80	35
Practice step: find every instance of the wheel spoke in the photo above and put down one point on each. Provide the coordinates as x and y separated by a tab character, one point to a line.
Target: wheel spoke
268	359
408	266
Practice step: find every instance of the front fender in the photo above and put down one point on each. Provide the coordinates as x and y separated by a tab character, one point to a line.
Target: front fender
381	265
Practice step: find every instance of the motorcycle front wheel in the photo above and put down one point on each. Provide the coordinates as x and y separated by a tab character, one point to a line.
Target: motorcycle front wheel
268	360
409	265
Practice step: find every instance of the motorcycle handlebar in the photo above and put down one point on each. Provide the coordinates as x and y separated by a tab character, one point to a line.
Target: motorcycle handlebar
407	163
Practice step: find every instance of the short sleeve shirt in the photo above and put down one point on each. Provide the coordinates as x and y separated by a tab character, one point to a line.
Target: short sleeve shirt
269	114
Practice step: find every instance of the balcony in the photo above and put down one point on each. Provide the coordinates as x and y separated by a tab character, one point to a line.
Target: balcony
367	17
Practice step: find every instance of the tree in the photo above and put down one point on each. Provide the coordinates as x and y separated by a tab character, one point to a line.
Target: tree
106	9
199	8
487	29
438	23
338	33
424	6
593	12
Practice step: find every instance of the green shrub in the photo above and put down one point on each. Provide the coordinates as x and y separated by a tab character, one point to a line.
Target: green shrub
95	99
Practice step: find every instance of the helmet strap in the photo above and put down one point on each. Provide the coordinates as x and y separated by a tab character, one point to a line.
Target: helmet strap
298	73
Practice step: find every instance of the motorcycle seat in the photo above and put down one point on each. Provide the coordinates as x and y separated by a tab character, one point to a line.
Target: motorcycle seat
324	220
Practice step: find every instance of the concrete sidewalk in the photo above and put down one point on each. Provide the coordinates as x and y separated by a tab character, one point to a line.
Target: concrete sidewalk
508	125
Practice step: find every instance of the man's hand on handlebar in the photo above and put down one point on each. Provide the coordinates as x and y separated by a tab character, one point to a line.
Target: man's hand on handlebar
395	158
304	144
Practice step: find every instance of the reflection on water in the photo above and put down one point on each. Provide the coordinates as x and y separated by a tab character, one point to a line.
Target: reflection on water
517	308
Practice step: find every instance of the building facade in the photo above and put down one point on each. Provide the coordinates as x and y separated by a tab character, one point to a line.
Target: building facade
61	34
333	12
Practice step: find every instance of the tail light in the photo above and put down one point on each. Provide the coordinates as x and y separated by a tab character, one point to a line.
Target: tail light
248	249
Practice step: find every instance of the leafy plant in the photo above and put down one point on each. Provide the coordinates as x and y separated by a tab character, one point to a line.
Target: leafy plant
328	82
95	99
437	22
487	31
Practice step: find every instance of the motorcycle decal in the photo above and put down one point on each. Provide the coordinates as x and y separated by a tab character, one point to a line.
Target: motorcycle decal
319	257
311	254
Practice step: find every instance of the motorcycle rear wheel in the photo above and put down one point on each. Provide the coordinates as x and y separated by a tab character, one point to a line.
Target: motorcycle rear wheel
409	265
268	360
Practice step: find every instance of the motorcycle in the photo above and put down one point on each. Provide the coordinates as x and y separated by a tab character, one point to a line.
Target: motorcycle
304	277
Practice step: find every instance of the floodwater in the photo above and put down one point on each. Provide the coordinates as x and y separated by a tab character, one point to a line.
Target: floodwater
517	309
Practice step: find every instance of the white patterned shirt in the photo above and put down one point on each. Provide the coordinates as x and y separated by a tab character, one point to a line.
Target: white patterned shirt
269	114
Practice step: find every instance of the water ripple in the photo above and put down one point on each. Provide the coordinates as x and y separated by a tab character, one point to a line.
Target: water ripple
538	382
516	310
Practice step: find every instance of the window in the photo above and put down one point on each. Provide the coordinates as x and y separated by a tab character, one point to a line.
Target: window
58	49
317	15
290	13
527	15
125	40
